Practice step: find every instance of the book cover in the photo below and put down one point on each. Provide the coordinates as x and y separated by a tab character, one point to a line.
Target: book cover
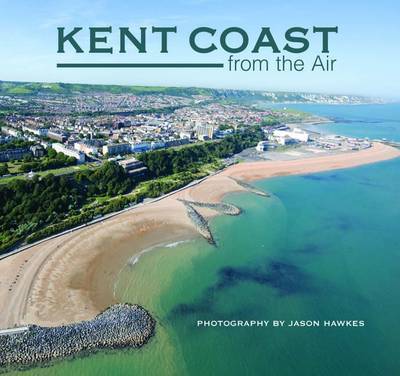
199	188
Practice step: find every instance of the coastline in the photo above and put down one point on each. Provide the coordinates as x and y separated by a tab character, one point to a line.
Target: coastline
71	278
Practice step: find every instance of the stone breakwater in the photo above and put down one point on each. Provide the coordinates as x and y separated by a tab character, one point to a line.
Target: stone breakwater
199	222
220	207
250	188
122	325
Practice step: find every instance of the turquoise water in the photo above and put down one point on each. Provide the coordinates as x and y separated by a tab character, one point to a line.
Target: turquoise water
374	121
324	247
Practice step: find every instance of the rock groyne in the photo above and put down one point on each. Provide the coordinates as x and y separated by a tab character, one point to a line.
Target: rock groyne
199	221
122	325
220	207
250	188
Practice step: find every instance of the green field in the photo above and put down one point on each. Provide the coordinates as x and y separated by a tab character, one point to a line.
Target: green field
34	88
56	171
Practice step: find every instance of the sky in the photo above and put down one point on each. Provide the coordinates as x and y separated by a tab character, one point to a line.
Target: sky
366	48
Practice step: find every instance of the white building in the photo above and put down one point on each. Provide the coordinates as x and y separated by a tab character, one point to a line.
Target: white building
157	145
295	134
186	134
285	140
39	131
11	131
60	148
140	147
86	148
114	149
204	131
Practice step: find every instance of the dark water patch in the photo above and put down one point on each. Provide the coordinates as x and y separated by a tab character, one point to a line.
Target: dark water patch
285	278
313	177
340	222
369	183
345	223
204	305
308	249
324	177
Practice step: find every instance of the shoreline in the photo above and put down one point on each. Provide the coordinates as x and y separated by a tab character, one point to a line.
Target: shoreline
71	278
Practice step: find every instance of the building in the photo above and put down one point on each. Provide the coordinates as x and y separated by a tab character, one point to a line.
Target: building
11	131
204	131
37	151
57	135
203	137
13	154
263	146
157	145
87	147
296	134
223	133
114	149
70	152
140	147
133	167
284	140
38	131
186	134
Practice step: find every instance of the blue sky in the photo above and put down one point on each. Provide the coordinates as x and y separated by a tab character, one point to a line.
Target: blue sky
367	47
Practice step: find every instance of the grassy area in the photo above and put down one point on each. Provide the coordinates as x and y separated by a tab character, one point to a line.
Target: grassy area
14	169
13	166
168	183
34	88
56	171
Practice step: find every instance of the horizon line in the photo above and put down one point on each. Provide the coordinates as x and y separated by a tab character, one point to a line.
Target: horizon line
200	86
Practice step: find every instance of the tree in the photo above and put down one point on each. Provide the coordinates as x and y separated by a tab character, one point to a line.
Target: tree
4	169
51	153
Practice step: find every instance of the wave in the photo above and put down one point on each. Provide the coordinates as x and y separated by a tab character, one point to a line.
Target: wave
135	258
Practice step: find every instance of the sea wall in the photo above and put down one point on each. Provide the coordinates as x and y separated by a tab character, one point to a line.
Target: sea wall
122	325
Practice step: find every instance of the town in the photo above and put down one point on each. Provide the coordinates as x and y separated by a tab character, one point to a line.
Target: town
88	151
118	126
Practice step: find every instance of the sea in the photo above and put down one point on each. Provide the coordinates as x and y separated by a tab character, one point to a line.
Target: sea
323	248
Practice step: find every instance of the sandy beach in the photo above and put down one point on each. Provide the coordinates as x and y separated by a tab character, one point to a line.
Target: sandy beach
71	278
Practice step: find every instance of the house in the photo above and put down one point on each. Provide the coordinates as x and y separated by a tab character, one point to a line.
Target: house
133	167
70	152
12	154
114	149
37	151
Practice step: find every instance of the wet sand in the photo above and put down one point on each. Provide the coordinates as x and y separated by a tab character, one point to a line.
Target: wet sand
71	278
